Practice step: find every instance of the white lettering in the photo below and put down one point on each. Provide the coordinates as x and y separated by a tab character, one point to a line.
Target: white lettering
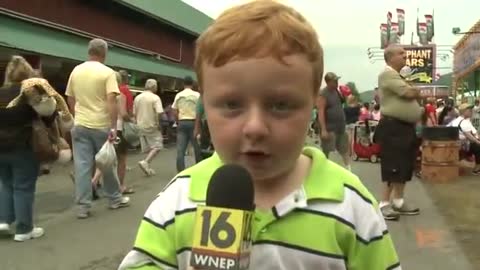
200	259
230	263
213	262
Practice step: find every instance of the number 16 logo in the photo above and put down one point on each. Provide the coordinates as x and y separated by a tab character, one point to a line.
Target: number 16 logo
218	229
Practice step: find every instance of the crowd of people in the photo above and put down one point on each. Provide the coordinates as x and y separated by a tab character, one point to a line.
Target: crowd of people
255	119
104	112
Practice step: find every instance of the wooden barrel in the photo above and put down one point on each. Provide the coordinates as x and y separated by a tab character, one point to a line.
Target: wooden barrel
440	160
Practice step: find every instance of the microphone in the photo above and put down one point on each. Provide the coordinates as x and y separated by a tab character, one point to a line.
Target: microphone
222	231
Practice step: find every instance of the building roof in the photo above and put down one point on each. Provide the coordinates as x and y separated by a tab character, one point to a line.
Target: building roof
174	12
465	37
27	36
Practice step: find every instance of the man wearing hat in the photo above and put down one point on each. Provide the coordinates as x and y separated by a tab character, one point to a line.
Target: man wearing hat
332	119
468	134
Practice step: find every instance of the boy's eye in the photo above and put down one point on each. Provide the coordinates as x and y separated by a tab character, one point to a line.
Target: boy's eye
231	105
280	106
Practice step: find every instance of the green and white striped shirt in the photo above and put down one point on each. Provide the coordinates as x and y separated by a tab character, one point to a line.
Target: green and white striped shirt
331	223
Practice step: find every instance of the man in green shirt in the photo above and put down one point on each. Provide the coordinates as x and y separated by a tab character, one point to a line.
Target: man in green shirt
396	134
201	132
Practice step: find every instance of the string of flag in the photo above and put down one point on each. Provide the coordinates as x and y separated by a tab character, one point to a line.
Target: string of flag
391	31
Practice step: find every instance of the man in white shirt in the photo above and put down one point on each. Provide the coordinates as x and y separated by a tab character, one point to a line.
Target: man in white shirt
92	96
468	134
185	105
148	109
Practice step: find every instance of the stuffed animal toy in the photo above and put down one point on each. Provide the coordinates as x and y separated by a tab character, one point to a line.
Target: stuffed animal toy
39	94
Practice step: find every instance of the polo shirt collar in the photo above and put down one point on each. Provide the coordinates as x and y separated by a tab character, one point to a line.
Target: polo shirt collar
322	182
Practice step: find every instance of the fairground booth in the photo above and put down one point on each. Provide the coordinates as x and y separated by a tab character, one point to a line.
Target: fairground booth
466	64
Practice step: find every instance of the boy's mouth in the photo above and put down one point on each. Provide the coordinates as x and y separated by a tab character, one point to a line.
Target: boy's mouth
256	154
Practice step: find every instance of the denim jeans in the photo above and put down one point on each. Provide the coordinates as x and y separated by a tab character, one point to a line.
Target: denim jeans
184	137
18	178
86	144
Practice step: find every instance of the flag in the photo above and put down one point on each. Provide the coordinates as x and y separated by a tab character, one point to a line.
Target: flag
418	25
433	24
383	36
394	38
429	23
422	33
401	21
389	24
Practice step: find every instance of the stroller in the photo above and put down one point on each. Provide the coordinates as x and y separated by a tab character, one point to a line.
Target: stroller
362	142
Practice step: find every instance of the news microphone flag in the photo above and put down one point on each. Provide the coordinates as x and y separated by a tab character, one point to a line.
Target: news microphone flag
221	239
222	231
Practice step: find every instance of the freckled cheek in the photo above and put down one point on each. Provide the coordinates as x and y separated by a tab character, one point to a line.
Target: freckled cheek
224	132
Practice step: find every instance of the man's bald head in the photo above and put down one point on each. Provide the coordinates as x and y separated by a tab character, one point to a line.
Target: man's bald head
395	56
390	51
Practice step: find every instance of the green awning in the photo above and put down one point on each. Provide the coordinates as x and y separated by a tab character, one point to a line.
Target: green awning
20	34
174	12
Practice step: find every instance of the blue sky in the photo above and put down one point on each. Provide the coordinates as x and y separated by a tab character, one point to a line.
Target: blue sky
347	28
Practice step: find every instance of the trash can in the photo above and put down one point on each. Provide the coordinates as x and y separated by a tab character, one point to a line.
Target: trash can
440	154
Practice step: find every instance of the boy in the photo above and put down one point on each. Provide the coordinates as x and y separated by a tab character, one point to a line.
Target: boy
258	98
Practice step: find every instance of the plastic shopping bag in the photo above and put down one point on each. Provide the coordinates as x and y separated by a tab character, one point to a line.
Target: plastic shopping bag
106	158
130	134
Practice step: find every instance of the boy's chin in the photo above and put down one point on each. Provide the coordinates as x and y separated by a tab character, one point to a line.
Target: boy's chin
264	175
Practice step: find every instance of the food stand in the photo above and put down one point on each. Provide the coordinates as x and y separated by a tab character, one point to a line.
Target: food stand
435	91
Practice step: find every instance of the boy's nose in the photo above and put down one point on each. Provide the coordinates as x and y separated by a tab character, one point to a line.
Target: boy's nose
256	125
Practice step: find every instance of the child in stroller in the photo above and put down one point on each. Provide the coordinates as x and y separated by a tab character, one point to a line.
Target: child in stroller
363	143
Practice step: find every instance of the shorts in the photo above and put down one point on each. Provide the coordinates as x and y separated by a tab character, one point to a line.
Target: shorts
336	141
398	143
150	141
122	146
350	128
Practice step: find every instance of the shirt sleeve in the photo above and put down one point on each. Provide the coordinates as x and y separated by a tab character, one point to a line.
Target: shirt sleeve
16	116
390	80
323	93
154	246
466	126
174	104
377	252
69	91
111	84
200	108
158	105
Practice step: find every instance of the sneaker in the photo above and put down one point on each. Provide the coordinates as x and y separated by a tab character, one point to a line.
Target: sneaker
407	210
389	213
83	214
124	202
5	229
476	172
144	166
35	233
151	172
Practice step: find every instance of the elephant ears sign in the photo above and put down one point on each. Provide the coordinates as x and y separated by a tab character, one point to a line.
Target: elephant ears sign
421	61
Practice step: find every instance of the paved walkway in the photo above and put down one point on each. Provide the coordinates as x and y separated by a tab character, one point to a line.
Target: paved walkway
424	242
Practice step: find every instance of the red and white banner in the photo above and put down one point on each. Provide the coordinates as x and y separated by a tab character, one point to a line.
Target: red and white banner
429	23
401	21
422	33
383	35
394	38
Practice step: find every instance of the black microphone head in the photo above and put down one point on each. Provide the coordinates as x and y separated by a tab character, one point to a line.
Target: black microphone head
231	186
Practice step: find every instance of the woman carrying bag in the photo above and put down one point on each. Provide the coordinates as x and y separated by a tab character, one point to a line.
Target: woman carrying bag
19	166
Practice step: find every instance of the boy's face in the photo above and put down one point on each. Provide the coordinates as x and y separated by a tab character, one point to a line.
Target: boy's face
258	111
